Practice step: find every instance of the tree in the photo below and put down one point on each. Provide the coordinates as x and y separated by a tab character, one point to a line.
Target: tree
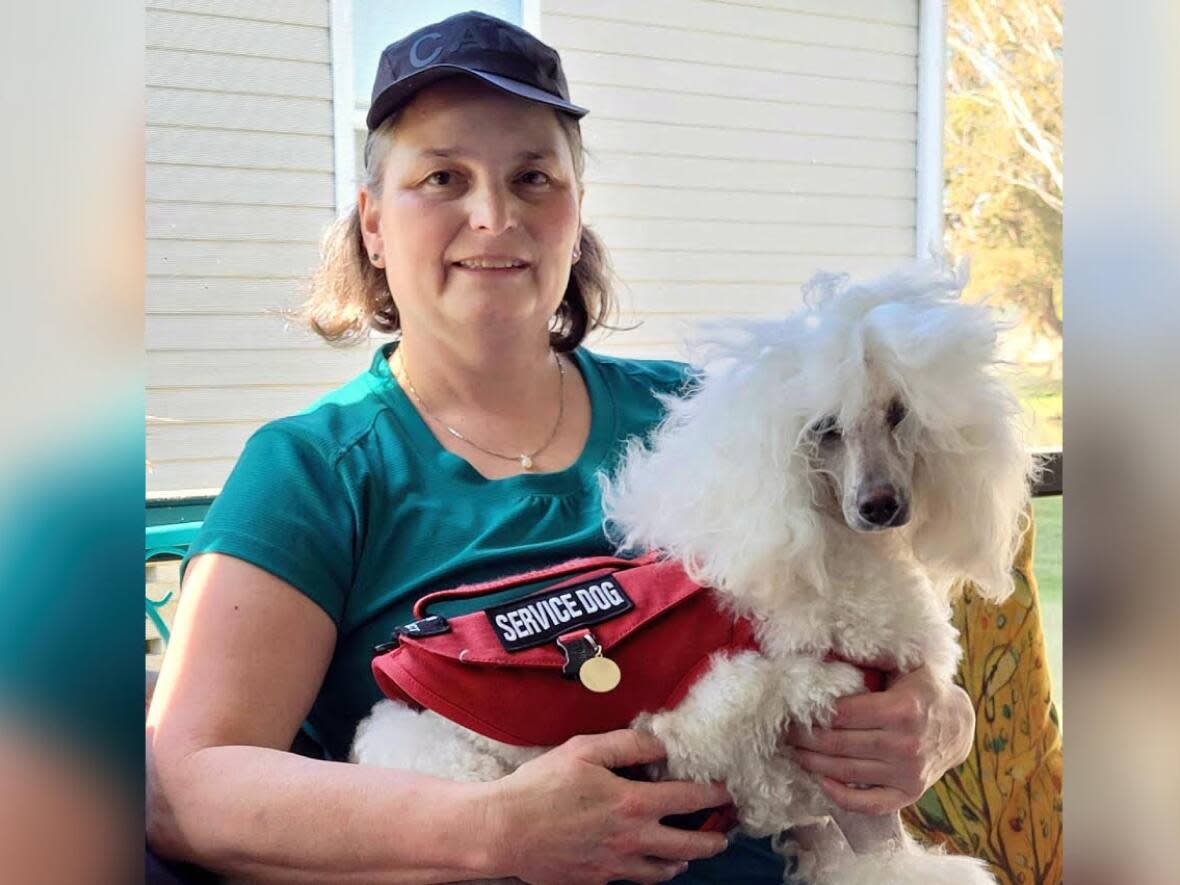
1003	163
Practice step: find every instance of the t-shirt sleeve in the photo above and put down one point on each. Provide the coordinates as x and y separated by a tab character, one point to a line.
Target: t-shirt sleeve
671	377
659	378
286	508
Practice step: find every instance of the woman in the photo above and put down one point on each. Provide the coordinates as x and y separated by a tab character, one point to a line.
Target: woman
467	451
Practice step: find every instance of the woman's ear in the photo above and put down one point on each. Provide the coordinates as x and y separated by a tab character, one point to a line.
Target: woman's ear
369	213
577	253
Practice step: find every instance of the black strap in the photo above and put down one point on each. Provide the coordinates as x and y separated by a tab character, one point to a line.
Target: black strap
577	650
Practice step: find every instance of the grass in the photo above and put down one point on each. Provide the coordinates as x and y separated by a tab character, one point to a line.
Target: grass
1047	568
1042	401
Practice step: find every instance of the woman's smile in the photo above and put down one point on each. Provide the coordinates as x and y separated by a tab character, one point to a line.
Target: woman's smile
492	266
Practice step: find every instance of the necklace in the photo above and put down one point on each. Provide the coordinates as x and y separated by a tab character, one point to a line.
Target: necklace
524	460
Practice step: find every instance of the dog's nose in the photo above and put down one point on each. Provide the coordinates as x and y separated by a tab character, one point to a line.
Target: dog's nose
879	507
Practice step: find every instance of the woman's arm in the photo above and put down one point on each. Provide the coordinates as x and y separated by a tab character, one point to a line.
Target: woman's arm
247	656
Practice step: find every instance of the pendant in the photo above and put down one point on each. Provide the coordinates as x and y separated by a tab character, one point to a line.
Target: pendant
526	462
600	674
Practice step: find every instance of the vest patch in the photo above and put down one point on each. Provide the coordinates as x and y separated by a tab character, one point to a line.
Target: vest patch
542	617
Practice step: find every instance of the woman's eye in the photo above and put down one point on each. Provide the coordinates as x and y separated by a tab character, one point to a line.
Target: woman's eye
442	178
535	176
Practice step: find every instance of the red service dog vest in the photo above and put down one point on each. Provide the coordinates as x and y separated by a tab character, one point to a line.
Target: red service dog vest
517	672
510	672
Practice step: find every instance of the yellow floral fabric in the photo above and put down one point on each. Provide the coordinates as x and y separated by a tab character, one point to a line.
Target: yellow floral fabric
1004	804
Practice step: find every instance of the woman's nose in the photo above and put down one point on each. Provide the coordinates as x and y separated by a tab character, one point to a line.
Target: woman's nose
491	209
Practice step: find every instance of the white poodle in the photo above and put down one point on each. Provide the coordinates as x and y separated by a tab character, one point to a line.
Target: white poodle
833	476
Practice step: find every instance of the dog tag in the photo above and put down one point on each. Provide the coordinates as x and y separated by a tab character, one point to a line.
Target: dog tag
600	674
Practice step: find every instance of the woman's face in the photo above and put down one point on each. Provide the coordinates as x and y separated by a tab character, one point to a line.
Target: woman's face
479	214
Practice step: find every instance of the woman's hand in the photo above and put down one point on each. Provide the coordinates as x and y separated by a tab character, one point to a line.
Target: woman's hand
565	818
892	745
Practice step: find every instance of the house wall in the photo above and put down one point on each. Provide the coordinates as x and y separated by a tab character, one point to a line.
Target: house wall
738	148
735	149
239	186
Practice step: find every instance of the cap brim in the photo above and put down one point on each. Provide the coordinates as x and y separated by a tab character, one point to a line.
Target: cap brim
399	93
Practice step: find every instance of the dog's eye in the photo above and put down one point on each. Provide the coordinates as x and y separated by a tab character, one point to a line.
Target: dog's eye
896	414
827	429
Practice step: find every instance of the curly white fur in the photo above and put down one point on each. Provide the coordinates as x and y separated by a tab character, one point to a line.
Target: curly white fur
762	481
740	440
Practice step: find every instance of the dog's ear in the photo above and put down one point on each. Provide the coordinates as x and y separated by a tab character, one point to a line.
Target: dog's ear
971	502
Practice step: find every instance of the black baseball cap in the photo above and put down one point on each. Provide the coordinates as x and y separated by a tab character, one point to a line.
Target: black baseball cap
475	45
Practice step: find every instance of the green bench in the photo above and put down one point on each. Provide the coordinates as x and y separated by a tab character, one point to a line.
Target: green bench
171	524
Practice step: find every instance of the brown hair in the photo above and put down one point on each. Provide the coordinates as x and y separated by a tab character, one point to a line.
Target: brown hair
348	295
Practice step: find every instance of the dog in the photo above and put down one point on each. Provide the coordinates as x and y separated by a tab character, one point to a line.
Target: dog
833	476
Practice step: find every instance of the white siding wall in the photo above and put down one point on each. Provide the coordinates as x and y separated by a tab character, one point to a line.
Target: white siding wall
239	188
738	147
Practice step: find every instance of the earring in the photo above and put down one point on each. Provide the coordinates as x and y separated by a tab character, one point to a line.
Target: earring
577	254
376	256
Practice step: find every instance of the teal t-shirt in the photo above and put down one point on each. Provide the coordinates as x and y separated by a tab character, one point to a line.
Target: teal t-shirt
356	504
